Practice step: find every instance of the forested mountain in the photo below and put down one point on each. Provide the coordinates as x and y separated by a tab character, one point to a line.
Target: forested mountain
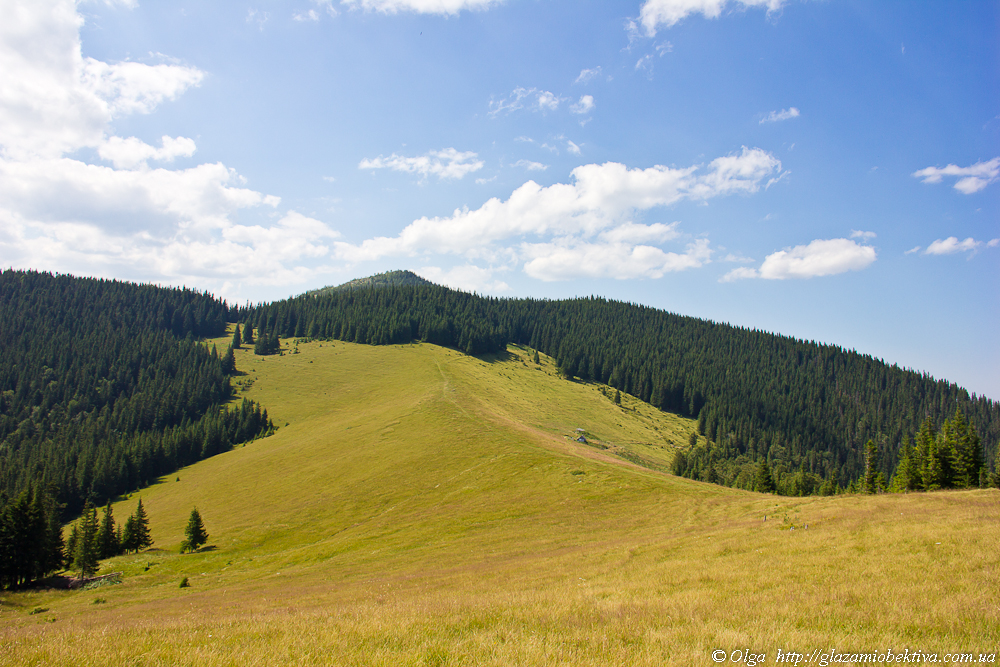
387	279
104	386
801	406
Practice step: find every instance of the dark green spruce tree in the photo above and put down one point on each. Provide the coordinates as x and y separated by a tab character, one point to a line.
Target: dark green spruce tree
195	534
87	549
764	482
107	535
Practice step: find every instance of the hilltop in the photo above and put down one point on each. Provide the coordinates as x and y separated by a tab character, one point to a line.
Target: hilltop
419	506
387	279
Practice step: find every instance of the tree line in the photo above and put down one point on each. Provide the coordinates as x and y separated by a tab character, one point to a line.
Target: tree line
90	542
104	386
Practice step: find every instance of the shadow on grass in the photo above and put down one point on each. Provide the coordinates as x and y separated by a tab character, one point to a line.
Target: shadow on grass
495	357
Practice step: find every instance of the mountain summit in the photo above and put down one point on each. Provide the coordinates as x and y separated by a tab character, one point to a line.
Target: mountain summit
387	279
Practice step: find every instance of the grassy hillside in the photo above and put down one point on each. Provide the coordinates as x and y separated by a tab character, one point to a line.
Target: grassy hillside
419	506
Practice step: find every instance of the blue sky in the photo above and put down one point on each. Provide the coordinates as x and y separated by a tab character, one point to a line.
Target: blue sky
825	169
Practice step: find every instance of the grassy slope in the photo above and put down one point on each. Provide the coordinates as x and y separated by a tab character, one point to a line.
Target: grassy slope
424	507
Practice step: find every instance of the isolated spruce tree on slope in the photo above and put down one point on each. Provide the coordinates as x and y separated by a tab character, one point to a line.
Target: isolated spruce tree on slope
237	338
87	554
195	532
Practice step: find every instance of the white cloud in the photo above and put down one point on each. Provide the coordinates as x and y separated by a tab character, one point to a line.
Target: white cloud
776	116
60	212
574	221
952	245
445	163
822	257
467	277
572	148
294	237
666	13
446	7
622	261
537	100
131	153
973	179
632	233
740	273
587	74
912	250
856	234
585	104
531	166
310	15
547	101
66	190
993	243
53	100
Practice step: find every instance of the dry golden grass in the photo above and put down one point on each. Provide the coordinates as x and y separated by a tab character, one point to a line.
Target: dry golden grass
426	508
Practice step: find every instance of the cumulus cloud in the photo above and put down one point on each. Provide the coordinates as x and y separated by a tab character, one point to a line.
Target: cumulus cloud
445	163
566	225
446	7
971	179
59	211
822	257
585	104
776	116
53	100
952	245
131	153
655	14
562	261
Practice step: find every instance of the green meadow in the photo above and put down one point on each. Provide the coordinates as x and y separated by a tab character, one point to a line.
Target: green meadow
418	506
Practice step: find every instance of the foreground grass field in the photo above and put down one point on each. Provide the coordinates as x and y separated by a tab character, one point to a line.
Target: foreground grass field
421	507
